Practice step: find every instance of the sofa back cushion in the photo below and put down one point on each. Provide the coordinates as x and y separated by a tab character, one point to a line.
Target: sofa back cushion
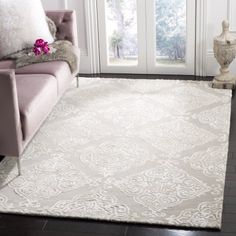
65	21
21	23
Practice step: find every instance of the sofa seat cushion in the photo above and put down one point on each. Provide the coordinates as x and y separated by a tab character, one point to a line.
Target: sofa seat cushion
7	64
58	69
37	94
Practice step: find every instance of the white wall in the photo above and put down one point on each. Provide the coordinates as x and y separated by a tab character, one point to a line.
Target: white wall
216	12
53	4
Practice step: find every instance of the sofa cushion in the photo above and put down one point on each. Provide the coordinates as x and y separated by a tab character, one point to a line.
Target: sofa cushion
65	21
7	64
58	69
37	94
52	27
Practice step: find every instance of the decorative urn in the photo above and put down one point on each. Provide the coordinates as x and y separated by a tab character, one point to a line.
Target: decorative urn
225	52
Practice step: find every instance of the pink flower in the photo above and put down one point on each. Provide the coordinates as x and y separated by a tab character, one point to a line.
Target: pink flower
45	48
39	43
40	46
37	51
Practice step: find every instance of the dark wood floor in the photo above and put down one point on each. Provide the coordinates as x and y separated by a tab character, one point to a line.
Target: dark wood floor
13	225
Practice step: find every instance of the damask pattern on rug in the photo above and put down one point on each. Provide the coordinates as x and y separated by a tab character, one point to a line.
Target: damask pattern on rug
144	151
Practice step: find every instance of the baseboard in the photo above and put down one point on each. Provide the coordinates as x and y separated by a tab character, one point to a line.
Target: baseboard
148	76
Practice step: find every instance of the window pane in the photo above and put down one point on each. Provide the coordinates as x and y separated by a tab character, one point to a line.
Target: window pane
121	28
170	31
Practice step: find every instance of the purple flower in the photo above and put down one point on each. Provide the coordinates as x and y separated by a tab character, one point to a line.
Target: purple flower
37	51
39	43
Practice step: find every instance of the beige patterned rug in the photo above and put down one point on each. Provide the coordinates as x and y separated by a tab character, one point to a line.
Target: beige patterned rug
148	151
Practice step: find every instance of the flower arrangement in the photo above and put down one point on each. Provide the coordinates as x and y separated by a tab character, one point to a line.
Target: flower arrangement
41	47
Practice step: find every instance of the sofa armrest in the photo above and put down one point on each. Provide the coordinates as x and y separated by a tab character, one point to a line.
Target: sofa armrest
10	125
65	21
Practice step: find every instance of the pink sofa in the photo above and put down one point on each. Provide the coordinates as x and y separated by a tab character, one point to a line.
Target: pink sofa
28	94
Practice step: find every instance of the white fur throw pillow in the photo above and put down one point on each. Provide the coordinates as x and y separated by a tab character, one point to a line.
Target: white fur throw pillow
21	23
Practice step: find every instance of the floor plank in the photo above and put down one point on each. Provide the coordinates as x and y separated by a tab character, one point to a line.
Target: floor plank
18	222
11	232
86	227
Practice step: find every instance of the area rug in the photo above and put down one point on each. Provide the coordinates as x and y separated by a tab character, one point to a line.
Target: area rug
143	151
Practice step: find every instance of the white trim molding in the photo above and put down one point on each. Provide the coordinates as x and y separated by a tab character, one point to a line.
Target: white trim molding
91	62
94	37
201	24
230	12
65	4
90	57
